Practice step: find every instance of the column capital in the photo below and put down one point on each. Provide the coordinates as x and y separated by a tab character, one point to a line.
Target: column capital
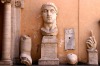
5	1
19	3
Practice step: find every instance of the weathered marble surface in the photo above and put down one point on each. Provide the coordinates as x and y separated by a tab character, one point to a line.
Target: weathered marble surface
26	50
6	48
91	42
49	51
93	57
49	32
49	39
49	14
69	39
92	49
72	58
49	62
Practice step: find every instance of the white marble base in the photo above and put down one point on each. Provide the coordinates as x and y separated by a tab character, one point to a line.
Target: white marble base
49	51
93	57
49	61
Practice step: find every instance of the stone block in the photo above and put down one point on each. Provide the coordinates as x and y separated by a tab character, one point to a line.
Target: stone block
49	51
49	61
93	57
49	40
69	39
6	62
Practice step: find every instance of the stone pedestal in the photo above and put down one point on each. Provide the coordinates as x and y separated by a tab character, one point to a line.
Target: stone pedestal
93	57
6	62
49	51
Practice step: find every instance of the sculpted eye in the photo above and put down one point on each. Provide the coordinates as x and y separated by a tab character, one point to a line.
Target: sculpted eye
52	10
44	10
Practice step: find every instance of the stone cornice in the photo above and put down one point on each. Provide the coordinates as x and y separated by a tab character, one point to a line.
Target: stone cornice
19	3
5	1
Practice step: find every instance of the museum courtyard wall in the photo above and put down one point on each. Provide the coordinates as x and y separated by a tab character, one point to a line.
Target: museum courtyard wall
82	16
79	15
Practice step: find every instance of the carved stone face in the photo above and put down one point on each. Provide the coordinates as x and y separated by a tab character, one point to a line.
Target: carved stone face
49	14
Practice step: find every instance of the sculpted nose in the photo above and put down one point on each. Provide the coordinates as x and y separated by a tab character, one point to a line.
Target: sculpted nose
48	13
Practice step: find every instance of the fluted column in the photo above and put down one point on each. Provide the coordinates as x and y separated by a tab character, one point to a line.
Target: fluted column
6	49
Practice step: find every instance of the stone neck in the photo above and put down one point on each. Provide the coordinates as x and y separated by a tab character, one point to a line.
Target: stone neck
49	26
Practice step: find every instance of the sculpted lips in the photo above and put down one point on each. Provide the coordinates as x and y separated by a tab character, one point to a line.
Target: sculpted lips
49	17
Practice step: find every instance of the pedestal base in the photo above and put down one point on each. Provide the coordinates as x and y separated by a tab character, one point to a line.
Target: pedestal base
93	57
48	61
49	51
6	62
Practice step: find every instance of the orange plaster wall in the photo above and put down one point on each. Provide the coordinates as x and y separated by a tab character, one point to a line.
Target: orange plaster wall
89	15
82	15
31	22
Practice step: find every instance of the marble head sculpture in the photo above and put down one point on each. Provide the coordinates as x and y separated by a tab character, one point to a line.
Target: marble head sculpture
49	14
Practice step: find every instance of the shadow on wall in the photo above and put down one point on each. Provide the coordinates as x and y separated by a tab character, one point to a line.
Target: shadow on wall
1	26
99	43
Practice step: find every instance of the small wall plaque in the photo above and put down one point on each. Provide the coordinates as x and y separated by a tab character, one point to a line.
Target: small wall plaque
69	39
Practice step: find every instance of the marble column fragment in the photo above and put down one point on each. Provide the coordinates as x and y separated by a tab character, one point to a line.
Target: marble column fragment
7	33
6	49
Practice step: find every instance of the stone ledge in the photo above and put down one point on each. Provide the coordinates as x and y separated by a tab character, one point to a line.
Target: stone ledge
92	51
6	62
48	61
49	40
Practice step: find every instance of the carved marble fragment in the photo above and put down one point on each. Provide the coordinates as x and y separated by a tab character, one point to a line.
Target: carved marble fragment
92	51
91	42
72	58
26	50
